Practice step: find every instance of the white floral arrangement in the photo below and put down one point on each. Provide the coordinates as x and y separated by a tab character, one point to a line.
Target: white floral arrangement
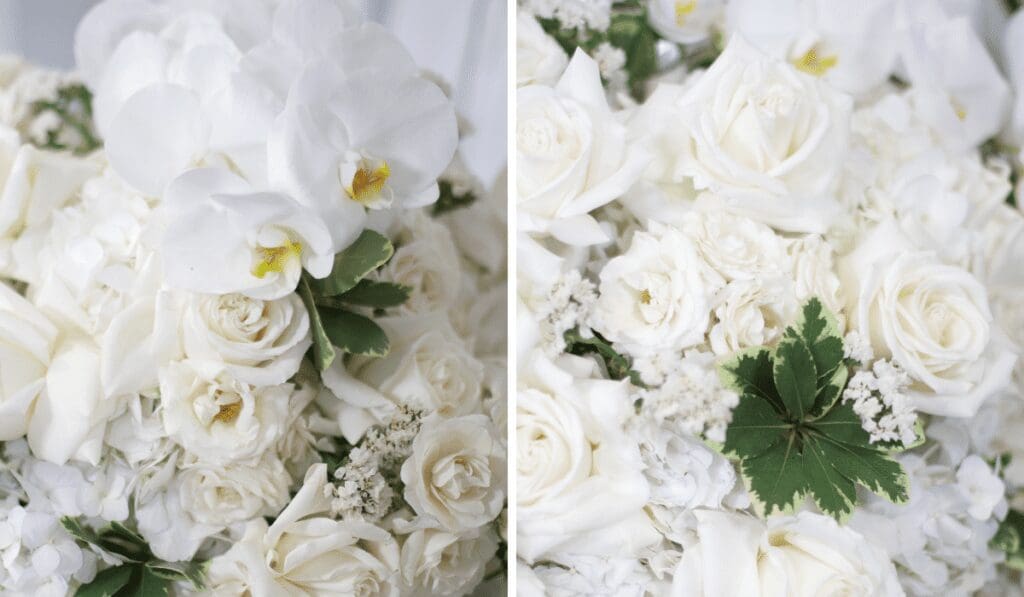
769	298
252	315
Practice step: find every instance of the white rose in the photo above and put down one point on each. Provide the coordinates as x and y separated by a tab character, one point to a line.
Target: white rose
221	496
427	262
218	418
306	554
767	138
657	295
932	319
456	472
734	246
578	480
752	313
539	58
429	368
260	342
436	562
806	555
814	272
26	345
573	156
70	417
684	21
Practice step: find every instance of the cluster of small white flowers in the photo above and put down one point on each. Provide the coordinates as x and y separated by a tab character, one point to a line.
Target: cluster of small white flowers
857	347
879	399
573	14
691	397
612	62
567	306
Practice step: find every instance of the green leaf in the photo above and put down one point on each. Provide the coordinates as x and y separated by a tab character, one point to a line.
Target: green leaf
77	530
152	584
119	539
379	295
775	477
193	572
354	333
618	366
795	375
793	438
1009	538
370	251
106	583
323	351
633	34
756	426
448	201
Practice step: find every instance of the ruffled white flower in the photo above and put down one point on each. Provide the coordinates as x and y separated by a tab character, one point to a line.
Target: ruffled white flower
427	261
221	495
437	562
27	340
734	246
752	313
591	575
813	261
261	342
218	418
262	240
657	295
573	155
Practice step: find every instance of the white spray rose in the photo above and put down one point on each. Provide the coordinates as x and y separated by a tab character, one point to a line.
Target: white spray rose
752	313
657	295
573	156
734	246
931	318
222	495
218	418
427	261
806	555
456	472
812	258
436	562
26	345
765	137
539	58
260	342
578	479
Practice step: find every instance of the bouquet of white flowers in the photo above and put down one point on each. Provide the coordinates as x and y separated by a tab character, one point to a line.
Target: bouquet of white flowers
769	298
252	334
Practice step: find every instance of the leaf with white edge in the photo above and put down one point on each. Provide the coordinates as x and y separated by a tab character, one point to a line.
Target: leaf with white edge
795	376
193	572
871	468
77	530
370	251
323	351
152	585
750	372
775	477
354	333
379	295
119	539
842	424
755	427
834	494
106	582
819	330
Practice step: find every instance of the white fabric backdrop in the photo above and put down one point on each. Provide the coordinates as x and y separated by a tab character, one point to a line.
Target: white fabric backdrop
462	41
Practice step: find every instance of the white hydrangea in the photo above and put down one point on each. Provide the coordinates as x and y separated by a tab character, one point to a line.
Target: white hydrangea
37	556
689	395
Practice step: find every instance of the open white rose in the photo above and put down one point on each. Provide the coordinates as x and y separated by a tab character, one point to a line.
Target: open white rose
436	562
578	480
765	137
539	58
734	246
807	555
931	318
26	346
456	472
262	240
851	47
303	554
427	261
752	313
684	21
657	295
573	156
260	342
812	259
218	418
220	496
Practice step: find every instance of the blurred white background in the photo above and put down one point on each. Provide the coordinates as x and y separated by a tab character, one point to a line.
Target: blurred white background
462	41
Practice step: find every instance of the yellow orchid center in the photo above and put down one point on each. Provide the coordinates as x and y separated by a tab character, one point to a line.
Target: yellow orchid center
228	412
367	184
645	296
274	259
683	10
814	64
959	109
